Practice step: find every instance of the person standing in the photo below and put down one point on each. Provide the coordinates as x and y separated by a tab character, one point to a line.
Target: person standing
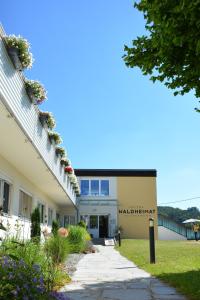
196	229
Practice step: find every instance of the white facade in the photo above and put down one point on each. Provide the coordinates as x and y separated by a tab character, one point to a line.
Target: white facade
30	170
95	208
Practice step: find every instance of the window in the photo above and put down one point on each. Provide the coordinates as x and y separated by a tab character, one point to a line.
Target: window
25	205
84	187
69	220
4	195
50	216
104	187
94	187
42	210
93	222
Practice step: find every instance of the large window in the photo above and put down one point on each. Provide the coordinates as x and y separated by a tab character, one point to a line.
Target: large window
4	195
50	216
104	187
69	220
95	187
42	211
93	222
84	187
25	205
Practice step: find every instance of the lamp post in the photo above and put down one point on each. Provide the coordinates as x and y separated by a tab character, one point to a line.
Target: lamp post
119	238
151	241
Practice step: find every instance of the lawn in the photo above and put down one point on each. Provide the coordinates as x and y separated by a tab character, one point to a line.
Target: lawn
177	263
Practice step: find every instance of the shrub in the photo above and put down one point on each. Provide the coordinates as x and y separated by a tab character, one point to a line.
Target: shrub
55	227
23	48
57	248
82	224
35	224
78	237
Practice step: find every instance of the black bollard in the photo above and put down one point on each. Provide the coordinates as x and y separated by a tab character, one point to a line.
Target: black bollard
119	238
151	241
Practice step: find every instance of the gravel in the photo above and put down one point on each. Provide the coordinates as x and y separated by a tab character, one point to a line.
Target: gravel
72	262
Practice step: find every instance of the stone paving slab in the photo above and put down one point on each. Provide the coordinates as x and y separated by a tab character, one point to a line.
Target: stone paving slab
106	275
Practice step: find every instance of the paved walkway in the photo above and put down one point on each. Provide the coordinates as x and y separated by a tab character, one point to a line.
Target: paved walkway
106	275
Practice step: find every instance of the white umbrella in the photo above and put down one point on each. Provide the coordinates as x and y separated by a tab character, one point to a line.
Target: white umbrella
191	221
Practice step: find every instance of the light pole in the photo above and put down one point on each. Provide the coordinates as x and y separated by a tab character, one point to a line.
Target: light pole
151	241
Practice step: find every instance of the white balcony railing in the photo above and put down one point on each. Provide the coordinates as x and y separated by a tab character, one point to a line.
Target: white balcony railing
13	92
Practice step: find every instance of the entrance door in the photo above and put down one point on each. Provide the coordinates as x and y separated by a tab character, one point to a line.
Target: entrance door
103	226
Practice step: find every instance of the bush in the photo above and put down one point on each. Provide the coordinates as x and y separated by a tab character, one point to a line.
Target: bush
55	227
35	224
78	237
57	248
82	224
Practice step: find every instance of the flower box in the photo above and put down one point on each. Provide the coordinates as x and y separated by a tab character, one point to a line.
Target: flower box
35	91
54	137
69	170
60	151
18	49
46	118
14	56
65	162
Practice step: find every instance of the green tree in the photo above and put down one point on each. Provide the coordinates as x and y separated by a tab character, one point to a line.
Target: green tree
35	224
170	51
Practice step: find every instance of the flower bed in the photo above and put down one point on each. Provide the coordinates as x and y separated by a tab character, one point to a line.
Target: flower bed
47	118
19	51
35	91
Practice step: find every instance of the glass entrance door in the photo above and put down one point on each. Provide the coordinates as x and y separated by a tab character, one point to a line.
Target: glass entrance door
103	226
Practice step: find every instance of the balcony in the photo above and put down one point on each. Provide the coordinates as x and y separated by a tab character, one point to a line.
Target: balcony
24	141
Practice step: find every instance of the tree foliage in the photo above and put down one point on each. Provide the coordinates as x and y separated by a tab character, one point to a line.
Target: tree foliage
170	52
179	215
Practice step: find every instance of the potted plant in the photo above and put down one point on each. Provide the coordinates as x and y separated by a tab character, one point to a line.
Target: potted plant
35	91
54	137
69	170
65	162
60	151
47	118
18	49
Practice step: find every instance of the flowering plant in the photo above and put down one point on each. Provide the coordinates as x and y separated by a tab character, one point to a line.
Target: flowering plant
47	117
54	136
23	48
60	151
35	91
65	162
69	170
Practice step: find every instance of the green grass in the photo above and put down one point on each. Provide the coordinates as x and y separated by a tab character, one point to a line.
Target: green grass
177	263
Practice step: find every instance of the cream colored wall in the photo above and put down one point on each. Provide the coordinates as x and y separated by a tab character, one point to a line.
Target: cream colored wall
20	182
136	194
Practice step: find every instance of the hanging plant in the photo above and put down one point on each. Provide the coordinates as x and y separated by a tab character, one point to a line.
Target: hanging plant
35	91
47	118
65	162
54	137
60	151
18	49
69	170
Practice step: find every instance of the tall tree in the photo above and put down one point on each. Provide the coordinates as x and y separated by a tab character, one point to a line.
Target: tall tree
170	51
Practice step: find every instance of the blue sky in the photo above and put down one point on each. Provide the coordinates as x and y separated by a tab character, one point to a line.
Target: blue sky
109	116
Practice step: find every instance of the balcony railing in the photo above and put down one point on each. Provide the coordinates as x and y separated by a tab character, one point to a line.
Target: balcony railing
16	100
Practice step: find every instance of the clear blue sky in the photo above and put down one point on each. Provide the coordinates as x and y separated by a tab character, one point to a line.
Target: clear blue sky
108	115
